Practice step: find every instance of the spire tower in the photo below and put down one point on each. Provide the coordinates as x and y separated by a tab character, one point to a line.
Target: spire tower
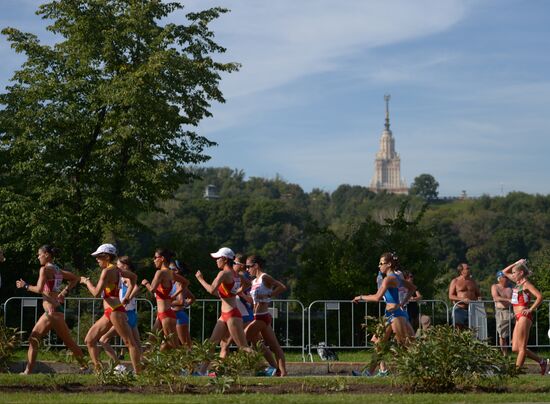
387	165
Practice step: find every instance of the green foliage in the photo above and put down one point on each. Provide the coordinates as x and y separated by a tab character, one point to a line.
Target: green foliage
110	376
166	366
239	363
340	267
221	383
98	127
9	342
446	358
425	186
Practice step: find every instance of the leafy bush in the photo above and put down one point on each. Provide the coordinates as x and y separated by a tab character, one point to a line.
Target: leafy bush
446	358
112	376
8	344
239	363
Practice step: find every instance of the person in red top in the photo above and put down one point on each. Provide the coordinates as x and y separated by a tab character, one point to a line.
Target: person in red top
49	286
114	314
226	285
161	286
522	296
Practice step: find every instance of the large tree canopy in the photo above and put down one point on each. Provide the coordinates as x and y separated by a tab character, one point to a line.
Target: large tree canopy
425	186
99	126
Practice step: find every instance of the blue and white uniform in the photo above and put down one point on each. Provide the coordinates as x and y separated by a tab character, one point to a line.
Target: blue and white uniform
246	309
181	316
391	296
130	307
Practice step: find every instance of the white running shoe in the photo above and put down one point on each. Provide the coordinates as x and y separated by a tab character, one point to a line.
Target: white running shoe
120	368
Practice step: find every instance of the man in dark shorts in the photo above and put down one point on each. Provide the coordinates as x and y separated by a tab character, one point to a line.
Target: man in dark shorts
462	290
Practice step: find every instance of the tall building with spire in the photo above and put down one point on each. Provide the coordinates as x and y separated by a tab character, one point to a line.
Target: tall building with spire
387	165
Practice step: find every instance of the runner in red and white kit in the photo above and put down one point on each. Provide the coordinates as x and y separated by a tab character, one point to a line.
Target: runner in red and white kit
49	286
522	296
115	313
161	286
226	285
264	288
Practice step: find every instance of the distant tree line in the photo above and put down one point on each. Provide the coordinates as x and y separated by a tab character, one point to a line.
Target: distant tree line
327	245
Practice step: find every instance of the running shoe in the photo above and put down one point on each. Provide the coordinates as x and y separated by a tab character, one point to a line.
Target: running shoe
270	371
120	368
543	366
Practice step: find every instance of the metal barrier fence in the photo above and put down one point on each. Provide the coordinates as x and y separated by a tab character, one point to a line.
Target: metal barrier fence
80	313
288	321
342	324
481	316
339	324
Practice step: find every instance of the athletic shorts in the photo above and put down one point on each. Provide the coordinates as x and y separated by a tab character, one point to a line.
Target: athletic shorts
265	317
392	315
520	315
460	316
132	318
182	318
161	315
246	310
230	314
109	310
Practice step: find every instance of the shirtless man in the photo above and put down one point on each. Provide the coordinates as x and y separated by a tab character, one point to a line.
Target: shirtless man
502	295
462	290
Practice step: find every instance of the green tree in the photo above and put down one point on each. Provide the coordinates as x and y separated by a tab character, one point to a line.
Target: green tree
98	127
425	186
340	268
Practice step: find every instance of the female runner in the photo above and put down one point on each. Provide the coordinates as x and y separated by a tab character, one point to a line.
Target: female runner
49	283
396	318
161	286
264	287
522	296
182	299
226	285
114	314
124	263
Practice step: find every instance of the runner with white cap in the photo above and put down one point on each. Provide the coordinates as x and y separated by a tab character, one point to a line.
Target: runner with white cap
226	285
115	313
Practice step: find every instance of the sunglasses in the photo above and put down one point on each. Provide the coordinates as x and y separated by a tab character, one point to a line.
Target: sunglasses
250	265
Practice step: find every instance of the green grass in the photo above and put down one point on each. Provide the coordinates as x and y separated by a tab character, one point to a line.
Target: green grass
273	398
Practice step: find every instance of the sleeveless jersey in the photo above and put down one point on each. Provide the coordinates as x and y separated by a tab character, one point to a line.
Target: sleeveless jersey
54	285
260	292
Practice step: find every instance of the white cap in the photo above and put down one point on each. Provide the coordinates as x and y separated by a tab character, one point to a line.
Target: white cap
105	249
224	252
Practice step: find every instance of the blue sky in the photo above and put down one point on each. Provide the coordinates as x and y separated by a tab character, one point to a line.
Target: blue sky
469	80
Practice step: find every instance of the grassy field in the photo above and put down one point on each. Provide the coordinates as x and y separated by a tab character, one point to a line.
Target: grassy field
271	398
44	388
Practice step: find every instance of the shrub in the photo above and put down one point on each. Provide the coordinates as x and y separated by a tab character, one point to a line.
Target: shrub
113	376
446	358
8	344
